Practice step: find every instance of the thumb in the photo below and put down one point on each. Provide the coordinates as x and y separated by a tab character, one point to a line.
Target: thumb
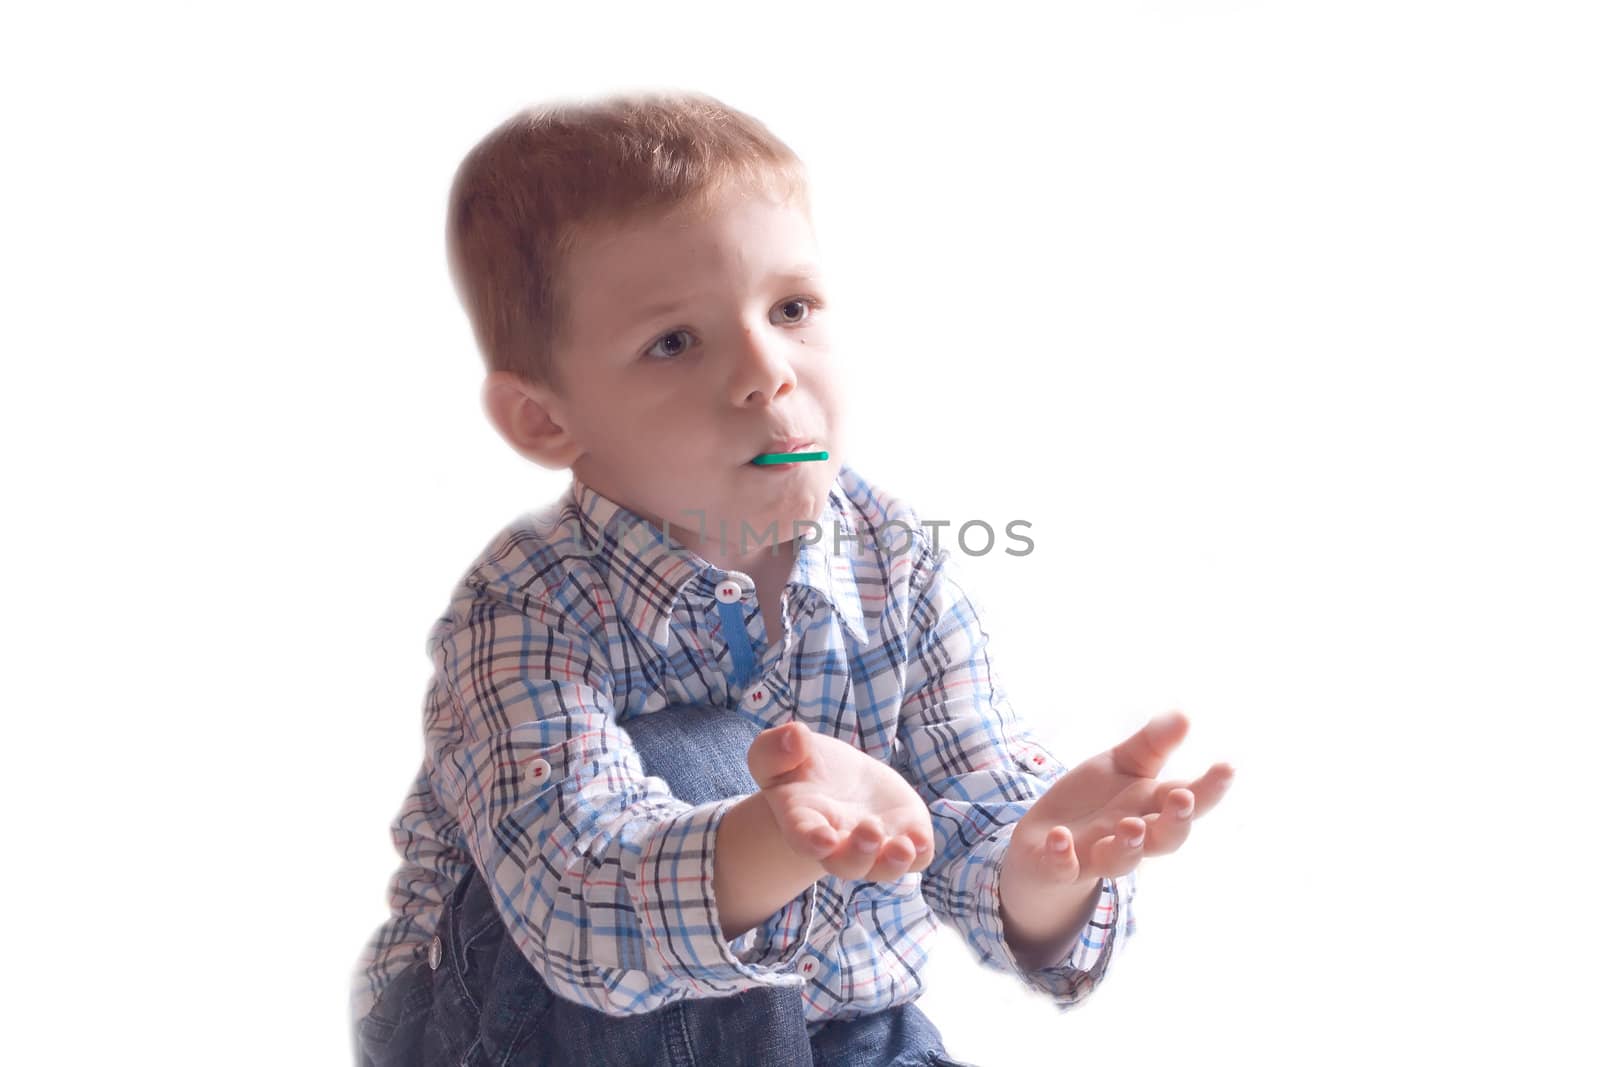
1145	752
777	751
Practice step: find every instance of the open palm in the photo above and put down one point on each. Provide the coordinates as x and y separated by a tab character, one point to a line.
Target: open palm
1112	809
854	814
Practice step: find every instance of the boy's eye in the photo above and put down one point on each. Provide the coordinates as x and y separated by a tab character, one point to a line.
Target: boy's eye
670	351
791	312
808	304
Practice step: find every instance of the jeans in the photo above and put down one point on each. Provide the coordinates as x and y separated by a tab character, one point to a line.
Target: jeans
484	1004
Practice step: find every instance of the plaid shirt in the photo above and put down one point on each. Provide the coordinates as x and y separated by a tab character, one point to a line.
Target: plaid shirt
580	617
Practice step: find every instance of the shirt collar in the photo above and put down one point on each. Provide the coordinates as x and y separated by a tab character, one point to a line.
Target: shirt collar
647	572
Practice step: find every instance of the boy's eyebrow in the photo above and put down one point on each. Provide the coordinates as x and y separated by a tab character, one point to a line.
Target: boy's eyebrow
800	272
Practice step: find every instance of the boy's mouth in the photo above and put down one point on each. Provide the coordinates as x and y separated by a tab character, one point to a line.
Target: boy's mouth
788	452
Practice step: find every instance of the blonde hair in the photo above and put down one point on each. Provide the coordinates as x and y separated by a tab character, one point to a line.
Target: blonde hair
523	196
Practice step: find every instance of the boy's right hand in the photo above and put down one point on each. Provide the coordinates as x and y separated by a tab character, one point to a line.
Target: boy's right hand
834	803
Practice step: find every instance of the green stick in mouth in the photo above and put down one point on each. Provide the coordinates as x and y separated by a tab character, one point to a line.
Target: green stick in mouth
766	459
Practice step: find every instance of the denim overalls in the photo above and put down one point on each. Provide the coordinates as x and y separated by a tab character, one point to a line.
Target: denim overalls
474	1000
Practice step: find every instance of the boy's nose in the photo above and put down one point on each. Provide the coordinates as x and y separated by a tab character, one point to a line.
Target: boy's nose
761	369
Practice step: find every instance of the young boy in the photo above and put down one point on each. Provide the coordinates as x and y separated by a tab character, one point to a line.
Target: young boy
712	745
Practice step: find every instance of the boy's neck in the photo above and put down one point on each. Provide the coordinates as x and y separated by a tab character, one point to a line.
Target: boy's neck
770	569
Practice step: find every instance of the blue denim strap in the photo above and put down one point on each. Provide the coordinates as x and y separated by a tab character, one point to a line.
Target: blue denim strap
738	638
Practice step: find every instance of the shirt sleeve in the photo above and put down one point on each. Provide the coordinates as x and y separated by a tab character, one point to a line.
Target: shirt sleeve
979	767
602	877
431	862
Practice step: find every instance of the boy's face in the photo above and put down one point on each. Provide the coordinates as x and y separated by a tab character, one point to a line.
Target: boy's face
692	343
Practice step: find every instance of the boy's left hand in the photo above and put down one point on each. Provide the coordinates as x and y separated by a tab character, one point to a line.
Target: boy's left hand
1098	821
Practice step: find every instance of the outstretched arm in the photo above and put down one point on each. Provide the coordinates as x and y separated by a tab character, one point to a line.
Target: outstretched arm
1097	822
980	769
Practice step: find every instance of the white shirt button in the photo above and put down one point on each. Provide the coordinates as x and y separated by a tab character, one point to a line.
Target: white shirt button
810	967
539	771
435	952
730	591
1034	758
757	697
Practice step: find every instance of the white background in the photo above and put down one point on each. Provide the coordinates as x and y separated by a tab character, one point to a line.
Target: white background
1276	320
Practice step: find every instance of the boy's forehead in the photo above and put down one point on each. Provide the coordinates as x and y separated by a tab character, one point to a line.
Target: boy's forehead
658	259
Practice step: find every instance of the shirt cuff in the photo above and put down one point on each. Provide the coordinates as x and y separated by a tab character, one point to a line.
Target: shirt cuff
680	923
1083	965
777	941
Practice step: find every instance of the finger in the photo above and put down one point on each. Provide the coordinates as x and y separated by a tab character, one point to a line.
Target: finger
1118	853
847	863
1143	754
1060	855
898	849
1210	786
857	852
1164	832
1206	789
923	852
817	833
919	832
893	861
1174	797
868	835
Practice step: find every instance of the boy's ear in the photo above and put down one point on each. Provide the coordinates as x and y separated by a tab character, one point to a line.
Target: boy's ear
530	419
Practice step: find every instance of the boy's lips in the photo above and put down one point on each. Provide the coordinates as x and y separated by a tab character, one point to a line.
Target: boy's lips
781	445
786	444
786	461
